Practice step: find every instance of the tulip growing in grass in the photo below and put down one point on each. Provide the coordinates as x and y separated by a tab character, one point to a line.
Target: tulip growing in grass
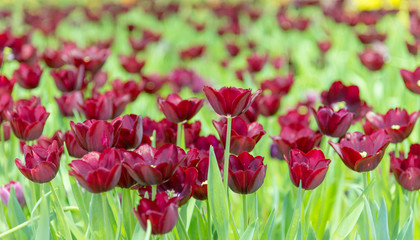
407	170
411	79
333	123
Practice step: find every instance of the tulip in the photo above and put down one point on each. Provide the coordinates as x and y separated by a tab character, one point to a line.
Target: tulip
28	76
27	123
41	164
92	58
294	117
372	60
268	105
53	58
161	212
152	83
131	131
362	153
407	170
413	48
5	193
307	169
324	46
411	79
202	144
371	36
96	135
131	64
256	62
6	86
181	184
68	80
278	62
105	106
244	136
153	166
233	49
32	102
6	103
252	114
192	52
230	101
98	172
246	173
279	85
44	141
72	146
178	110
349	95
182	77
6	131
397	123
131	88
331	123
68	103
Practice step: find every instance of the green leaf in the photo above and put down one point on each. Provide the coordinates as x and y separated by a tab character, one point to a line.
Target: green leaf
382	231
217	197
268	228
311	233
43	231
249	232
16	217
368	212
294	225
407	231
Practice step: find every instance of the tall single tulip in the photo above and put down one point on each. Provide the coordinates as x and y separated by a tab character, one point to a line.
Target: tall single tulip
411	79
246	173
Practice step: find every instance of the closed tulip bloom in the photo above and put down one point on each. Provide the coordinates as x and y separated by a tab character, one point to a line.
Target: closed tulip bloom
294	117
153	166
69	102
74	149
233	49
6	131
28	76
96	135
230	101
27	123
411	79
268	105
396	122
152	83
131	64
131	131
161	212
178	110
407	170
256	62
324	46
372	60
68	80
53	58
105	106
41	164
6	85
44	141
92	58
362	153
98	172
6	103
246	173
132	88
279	85
413	48
308	169
332	123
192	52
244	136
5	193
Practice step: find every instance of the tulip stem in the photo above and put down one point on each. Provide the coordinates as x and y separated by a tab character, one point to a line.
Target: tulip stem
154	138
154	190
180	135
209	220
60	212
106	217
245	213
365	179
227	152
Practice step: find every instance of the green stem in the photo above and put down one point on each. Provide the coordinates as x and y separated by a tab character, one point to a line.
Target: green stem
106	217
154	138
184	230
179	134
154	190
365	179
227	152
245	213
60	211
209	220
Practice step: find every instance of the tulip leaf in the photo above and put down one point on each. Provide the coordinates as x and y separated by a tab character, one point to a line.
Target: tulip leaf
249	232
16	216
268	228
43	231
217	197
351	216
382	230
294	225
311	233
371	224
407	231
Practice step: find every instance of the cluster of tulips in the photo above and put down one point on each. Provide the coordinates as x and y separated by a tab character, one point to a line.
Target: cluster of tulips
167	161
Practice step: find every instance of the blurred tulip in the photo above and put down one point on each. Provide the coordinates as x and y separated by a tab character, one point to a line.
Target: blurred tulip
28	76
53	58
279	85
192	52
92	58
6	86
268	105
131	64
69	102
411	79
407	170
5	193
256	62
131	88
105	106
372	60
233	49
68	80
152	83
6	103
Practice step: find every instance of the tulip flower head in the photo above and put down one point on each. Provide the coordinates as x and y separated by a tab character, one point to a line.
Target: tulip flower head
332	123
411	79
407	170
178	110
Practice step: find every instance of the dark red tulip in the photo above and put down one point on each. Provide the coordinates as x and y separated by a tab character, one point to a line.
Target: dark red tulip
324	46
53	58
92	58
5	193
6	103
348	96
192	52
72	146
99	79
246	173
230	101
27	123
44	141
233	49
372	59
284	22
98	172
131	64
301	24
181	77
362	153
131	131
371	36
162	213
279	85
411	79
105	106
407	170
153	166
181	184
28	76
268	105
252	114
294	117
331	123
41	164
307	169
278	62
96	135
131	88
244	136
296	136
68	80
152	83
6	86
69	102
413	48
32	102
178	110
6	131
256	62
138	44
396	122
